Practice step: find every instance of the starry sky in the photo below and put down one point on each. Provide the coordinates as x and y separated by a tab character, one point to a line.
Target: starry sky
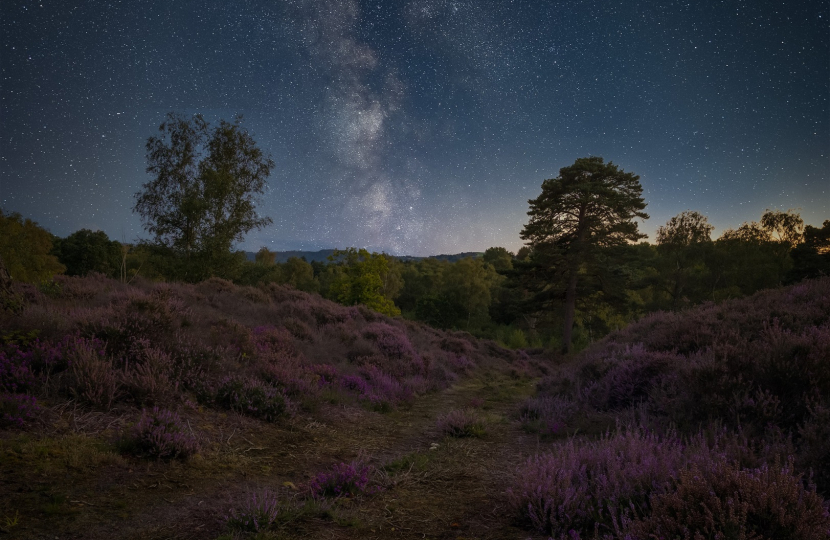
420	127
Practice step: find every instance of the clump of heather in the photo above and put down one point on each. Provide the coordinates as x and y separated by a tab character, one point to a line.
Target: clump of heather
162	434
16	410
15	371
548	415
390	340
757	364
257	513
636	484
95	379
722	500
148	378
461	423
378	388
343	480
580	486
253	397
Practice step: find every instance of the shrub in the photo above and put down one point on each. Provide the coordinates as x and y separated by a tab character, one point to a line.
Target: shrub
390	340
15	371
253	397
257	513
271	341
95	380
298	329
160	433
580	486
461	363
296	380
17	409
546	414
344	480
814	445
461	423
724	501
455	345
148	380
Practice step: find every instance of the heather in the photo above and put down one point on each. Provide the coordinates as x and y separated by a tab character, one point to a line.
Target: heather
342	480
260	412
636	484
461	423
730	407
162	434
186	387
256	351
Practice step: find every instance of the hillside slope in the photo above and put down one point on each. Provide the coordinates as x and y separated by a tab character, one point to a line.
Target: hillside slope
723	426
161	410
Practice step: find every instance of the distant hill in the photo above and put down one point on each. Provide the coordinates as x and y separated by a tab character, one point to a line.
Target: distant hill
310	256
457	256
323	255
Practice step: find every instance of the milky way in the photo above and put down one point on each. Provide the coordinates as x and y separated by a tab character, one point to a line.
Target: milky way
421	126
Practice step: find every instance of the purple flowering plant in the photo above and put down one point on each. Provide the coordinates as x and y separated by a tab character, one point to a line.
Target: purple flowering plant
343	480
161	433
16	410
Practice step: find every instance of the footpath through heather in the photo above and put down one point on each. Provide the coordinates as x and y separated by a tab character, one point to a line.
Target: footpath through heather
430	485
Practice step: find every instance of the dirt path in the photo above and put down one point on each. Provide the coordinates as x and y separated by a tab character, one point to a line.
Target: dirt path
453	491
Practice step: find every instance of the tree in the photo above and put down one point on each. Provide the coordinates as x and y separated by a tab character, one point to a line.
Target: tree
811	258
682	243
589	206
685	229
86	251
500	258
265	257
759	253
203	195
468	284
299	274
784	227
359	277
785	230
26	248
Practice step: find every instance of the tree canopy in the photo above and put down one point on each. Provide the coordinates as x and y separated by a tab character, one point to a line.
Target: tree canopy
359	277
590	205
682	246
26	249
206	181
86	251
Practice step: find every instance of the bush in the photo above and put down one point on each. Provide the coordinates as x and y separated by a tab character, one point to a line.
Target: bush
344	480
160	433
15	371
390	340
17	409
580	486
148	379
548	415
95	379
724	501
258	513
253	397
461	423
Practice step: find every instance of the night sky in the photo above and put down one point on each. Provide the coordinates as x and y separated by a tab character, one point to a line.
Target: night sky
420	126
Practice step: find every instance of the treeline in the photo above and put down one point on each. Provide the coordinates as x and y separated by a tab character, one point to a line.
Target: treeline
504	296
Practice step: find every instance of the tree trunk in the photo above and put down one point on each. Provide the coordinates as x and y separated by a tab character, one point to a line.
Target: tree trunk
570	310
